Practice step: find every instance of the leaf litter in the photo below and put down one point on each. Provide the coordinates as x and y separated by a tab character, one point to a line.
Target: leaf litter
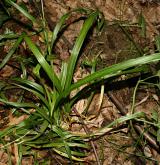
118	147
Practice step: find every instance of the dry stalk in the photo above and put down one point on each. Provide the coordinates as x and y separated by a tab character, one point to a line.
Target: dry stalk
88	132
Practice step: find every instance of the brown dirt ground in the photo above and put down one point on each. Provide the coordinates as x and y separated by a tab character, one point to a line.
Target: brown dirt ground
109	47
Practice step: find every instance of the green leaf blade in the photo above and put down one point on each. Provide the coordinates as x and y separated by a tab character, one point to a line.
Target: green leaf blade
78	44
11	52
47	68
24	12
114	70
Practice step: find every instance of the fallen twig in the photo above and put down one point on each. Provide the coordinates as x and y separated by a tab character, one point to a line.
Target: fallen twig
88	133
151	140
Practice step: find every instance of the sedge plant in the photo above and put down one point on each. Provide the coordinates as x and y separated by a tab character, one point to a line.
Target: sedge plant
43	127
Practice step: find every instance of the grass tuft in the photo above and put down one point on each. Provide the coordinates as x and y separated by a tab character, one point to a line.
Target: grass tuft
43	127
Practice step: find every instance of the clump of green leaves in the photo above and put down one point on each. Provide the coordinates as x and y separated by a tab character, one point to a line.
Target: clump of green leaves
43	128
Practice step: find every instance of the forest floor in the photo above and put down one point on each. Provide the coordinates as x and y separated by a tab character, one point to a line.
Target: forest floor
130	30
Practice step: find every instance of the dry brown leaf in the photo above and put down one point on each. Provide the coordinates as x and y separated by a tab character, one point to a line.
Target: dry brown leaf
3	158
15	120
6	71
16	155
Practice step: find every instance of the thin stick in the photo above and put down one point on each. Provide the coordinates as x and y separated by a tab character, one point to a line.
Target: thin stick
124	111
88	132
